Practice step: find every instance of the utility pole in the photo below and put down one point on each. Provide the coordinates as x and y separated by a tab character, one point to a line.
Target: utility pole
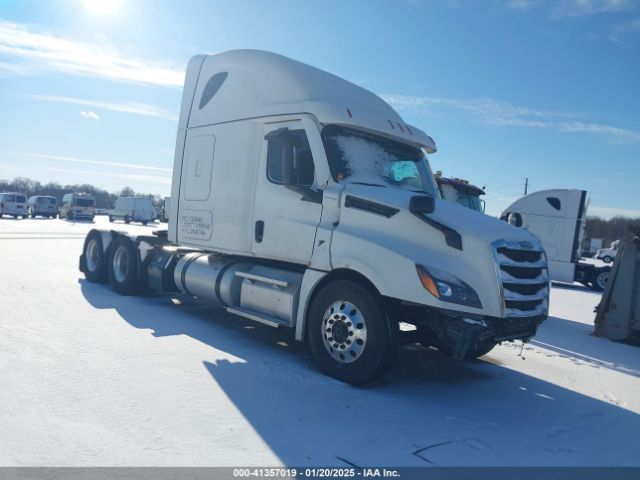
526	185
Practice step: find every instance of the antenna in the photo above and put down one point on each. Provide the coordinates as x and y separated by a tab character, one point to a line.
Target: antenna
526	185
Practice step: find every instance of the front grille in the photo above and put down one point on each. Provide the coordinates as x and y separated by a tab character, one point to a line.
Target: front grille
523	305
520	255
522	272
526	288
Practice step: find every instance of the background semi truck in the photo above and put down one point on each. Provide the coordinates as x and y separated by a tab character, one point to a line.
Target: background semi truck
557	217
460	191
303	201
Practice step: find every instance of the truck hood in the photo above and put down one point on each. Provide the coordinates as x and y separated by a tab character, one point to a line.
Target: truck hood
469	223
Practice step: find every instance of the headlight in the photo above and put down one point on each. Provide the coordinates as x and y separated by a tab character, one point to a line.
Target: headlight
447	288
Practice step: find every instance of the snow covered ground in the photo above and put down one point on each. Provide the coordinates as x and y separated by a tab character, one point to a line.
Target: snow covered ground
88	377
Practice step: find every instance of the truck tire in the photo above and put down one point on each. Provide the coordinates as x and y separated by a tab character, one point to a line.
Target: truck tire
349	333
607	259
123	276
95	259
475	351
126	220
599	278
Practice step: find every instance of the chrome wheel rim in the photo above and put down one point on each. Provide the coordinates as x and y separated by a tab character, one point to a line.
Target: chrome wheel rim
121	264
344	331
93	254
601	279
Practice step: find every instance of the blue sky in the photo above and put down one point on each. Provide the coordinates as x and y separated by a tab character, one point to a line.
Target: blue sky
509	89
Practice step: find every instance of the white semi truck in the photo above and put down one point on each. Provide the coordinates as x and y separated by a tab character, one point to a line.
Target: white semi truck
303	201
460	191
557	217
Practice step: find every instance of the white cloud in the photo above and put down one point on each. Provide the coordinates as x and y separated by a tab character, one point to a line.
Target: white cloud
577	8
121	107
632	25
493	112
89	114
126	176
46	50
610	212
522	5
572	8
91	162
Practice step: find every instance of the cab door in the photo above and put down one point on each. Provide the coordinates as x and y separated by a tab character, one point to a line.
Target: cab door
286	220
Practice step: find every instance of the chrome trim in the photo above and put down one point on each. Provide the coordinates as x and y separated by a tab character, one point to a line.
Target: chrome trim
505	279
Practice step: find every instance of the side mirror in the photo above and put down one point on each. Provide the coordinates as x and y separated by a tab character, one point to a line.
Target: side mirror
422	204
514	219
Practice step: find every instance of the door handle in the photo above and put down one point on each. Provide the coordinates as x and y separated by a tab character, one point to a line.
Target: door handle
259	231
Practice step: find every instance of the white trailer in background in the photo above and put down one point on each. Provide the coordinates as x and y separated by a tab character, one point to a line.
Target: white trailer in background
303	201
557	217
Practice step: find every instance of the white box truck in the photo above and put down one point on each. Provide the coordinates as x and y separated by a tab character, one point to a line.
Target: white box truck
303	201
557	217
133	209
77	206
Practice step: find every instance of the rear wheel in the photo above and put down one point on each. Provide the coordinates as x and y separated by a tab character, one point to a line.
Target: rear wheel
349	333
607	259
127	220
110	219
95	260
122	266
600	278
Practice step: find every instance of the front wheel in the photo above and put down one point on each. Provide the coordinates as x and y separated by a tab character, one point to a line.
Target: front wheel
607	259
349	333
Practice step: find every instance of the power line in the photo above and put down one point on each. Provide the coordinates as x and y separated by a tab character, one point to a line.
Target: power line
509	157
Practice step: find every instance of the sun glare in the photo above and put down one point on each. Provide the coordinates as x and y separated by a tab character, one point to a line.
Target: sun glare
102	7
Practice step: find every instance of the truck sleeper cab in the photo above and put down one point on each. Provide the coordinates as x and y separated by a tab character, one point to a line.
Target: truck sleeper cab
558	218
13	205
43	206
303	201
78	206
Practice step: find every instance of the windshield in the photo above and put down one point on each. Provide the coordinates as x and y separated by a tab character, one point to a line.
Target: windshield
470	201
85	202
372	160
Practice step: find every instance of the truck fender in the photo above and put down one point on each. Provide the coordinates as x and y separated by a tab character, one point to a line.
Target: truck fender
313	281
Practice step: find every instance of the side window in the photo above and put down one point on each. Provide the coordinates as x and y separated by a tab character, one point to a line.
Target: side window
554	202
10	198
302	158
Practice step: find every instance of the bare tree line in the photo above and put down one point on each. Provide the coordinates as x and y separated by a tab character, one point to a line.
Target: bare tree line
103	198
607	230
612	229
